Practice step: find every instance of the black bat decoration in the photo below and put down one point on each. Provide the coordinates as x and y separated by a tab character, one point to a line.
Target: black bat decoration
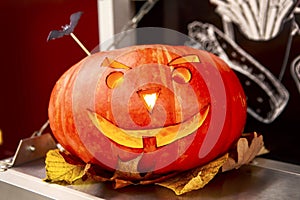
67	29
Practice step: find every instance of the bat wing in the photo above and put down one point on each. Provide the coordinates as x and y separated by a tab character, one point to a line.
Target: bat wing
56	34
68	29
74	18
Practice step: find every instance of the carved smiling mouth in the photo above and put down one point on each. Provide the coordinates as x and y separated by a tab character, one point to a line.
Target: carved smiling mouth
163	135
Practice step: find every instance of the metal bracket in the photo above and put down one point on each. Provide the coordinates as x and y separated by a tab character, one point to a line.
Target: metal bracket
29	149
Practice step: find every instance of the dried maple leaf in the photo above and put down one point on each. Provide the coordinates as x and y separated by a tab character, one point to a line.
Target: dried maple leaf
194	179
127	173
244	152
128	170
58	170
69	169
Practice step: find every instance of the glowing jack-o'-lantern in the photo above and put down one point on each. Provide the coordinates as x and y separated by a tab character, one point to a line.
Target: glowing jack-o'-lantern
168	108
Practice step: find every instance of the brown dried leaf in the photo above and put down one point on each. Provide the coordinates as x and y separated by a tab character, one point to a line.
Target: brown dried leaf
119	183
128	170
69	169
157	179
194	179
245	152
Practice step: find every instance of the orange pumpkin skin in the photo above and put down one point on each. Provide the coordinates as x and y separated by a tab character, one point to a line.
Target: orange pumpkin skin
90	88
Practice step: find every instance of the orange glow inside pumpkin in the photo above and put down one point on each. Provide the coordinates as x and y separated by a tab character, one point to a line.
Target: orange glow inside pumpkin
149	97
114	79
181	75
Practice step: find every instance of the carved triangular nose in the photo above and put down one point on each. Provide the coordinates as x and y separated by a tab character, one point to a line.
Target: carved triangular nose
149	97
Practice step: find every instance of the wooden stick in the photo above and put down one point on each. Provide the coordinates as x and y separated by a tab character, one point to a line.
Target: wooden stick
80	44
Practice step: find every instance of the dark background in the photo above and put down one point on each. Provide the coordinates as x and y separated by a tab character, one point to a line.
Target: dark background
31	66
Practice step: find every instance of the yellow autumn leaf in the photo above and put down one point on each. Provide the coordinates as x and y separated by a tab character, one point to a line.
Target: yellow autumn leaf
58	170
65	168
194	179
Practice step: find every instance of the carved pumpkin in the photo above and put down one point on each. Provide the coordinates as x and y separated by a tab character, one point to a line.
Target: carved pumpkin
167	108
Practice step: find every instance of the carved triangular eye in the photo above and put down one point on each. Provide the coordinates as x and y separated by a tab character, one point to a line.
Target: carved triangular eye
107	62
184	59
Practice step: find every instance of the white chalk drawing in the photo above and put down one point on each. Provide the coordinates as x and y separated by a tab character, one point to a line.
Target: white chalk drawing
295	66
258	20
266	96
295	71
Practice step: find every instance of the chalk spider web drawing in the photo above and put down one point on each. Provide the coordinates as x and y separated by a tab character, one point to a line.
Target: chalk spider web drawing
259	20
